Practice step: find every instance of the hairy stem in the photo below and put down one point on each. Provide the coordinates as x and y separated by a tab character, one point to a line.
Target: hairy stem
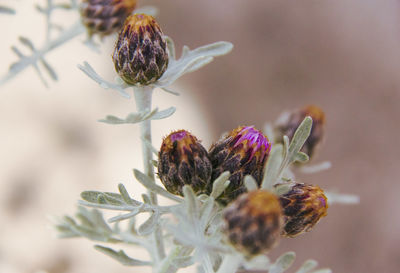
143	98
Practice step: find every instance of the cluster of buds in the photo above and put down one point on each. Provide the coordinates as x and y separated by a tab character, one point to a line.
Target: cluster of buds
289	124
140	55
104	17
254	221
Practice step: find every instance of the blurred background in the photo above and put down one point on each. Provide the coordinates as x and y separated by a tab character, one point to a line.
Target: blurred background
341	55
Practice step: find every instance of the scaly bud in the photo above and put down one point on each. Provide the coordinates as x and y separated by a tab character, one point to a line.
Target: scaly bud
253	222
140	55
182	160
303	206
243	152
288	127
104	17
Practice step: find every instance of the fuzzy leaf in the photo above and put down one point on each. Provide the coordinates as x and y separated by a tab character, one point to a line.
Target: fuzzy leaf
307	266
283	262
191	201
250	183
272	167
219	184
299	138
164	113
120	256
151	185
324	270
149	225
90	72
7	10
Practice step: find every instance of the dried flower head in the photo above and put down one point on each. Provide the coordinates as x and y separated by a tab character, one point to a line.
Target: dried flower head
140	54
104	17
242	152
253	222
288	127
182	160
303	206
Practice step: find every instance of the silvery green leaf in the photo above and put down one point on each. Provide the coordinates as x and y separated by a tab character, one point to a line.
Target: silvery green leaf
149	225
49	70
170	91
146	198
260	262
121	257
27	42
299	138
300	157
164	113
192	205
170	47
132	118
219	184
89	71
149	10
151	185
199	63
183	261
341	198
206	211
125	195
7	10
108	197
285	149
271	170
307	266
17	52
190	60
316	168
154	163
324	270
250	183
281	189
129	215
283	262
269	131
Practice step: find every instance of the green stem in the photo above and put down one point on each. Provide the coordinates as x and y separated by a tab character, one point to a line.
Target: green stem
143	98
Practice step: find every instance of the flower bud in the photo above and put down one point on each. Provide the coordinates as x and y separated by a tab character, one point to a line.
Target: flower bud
303	206
243	152
289	126
140	54
253	222
182	160
105	16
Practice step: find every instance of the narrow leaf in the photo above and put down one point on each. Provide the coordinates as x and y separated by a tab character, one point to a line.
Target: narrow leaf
121	257
27	42
191	201
307	266
250	183
149	225
164	113
150	185
271	172
219	184
49	70
283	262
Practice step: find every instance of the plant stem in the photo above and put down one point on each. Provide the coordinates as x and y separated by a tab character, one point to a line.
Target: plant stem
143	98
27	61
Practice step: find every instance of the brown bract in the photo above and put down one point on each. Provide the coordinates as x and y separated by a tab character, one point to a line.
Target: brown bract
303	206
253	222
242	152
104	17
140	54
182	160
290	126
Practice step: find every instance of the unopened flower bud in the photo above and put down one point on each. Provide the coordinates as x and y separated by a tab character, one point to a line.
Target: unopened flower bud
253	222
140	54
289	125
243	152
182	160
104	17
303	206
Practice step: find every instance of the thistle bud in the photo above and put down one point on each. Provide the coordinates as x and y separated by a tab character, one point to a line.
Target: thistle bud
243	152
289	125
182	160
253	222
303	206
105	16
140	54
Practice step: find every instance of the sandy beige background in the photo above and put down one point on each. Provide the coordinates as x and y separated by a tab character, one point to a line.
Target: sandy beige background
342	55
